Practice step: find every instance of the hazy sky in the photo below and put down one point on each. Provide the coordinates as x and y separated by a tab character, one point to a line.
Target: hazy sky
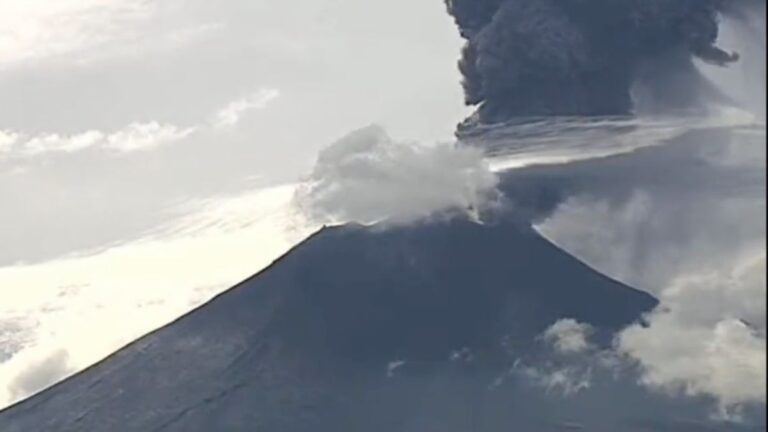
112	111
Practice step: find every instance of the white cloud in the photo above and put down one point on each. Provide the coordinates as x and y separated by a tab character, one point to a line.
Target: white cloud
705	260
134	137
7	141
136	287
35	29
37	374
145	136
231	114
737	292
57	143
568	336
367	177
565	381
708	337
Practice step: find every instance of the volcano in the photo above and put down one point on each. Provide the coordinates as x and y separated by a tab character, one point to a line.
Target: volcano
356	328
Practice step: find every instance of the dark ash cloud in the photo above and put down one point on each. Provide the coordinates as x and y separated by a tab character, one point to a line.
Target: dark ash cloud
582	57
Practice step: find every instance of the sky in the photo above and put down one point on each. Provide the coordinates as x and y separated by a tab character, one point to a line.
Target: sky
139	139
125	107
153	153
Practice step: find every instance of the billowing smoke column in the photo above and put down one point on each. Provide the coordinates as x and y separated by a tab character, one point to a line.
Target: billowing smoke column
582	57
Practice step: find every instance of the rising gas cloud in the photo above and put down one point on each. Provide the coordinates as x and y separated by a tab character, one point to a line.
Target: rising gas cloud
585	57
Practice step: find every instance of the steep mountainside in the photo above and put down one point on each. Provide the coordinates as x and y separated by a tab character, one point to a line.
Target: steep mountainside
357	328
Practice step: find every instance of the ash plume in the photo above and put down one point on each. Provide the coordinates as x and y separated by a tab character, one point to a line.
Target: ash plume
583	57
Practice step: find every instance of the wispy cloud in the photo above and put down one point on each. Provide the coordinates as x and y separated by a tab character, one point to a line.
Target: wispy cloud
563	381
137	136
145	136
568	336
231	114
134	137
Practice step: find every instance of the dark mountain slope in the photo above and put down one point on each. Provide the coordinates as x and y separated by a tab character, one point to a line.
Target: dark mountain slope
309	343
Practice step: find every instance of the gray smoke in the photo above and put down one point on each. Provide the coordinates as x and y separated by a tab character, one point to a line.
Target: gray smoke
583	57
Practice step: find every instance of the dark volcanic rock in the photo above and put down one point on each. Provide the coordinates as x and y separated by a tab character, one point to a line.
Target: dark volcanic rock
313	343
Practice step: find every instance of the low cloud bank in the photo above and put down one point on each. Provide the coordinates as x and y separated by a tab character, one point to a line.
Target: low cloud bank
722	361
60	316
708	338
